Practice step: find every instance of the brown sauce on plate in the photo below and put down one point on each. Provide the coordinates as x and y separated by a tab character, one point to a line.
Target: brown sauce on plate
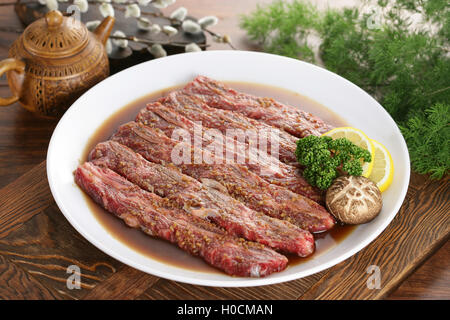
166	252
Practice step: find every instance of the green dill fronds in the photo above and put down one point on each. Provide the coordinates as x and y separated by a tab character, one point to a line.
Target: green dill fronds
405	67
283	28
428	138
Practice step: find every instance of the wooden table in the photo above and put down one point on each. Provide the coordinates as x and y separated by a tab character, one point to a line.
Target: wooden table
37	244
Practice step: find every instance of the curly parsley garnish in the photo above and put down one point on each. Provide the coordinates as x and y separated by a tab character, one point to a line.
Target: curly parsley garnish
325	159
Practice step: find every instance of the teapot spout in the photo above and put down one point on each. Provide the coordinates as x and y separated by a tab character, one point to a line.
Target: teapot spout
104	29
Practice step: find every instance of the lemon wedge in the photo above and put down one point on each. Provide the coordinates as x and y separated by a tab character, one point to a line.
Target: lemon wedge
383	167
360	139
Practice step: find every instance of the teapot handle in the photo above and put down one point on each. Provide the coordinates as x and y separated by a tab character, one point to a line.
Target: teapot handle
7	65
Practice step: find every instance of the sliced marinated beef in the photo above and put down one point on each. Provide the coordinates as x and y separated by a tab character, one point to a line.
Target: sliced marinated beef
145	210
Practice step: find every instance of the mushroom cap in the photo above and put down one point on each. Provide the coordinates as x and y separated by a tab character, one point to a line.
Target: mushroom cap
354	199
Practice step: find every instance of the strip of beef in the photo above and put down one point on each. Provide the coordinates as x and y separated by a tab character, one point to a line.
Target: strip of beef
243	185
203	200
232	150
144	210
194	109
291	119
270	199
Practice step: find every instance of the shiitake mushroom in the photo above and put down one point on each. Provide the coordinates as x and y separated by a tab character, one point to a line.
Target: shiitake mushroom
354	199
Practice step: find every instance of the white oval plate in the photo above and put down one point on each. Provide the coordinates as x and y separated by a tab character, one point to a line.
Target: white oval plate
337	94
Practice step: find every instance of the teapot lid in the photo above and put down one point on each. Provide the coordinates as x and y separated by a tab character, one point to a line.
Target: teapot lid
55	36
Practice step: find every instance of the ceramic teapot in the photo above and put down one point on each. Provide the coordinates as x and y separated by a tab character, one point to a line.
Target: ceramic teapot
54	61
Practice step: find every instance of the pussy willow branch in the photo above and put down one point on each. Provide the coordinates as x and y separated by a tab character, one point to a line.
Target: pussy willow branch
177	22
120	7
215	34
113	4
129	38
89	1
150	42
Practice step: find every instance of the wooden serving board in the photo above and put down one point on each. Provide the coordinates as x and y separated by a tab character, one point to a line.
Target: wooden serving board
37	244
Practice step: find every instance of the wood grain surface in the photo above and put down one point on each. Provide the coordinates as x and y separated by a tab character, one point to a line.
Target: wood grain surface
37	244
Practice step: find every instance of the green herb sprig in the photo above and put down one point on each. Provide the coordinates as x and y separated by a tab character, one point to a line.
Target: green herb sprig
325	159
405	66
427	136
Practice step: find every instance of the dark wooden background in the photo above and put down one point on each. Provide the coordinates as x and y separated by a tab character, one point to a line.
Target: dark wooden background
23	146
